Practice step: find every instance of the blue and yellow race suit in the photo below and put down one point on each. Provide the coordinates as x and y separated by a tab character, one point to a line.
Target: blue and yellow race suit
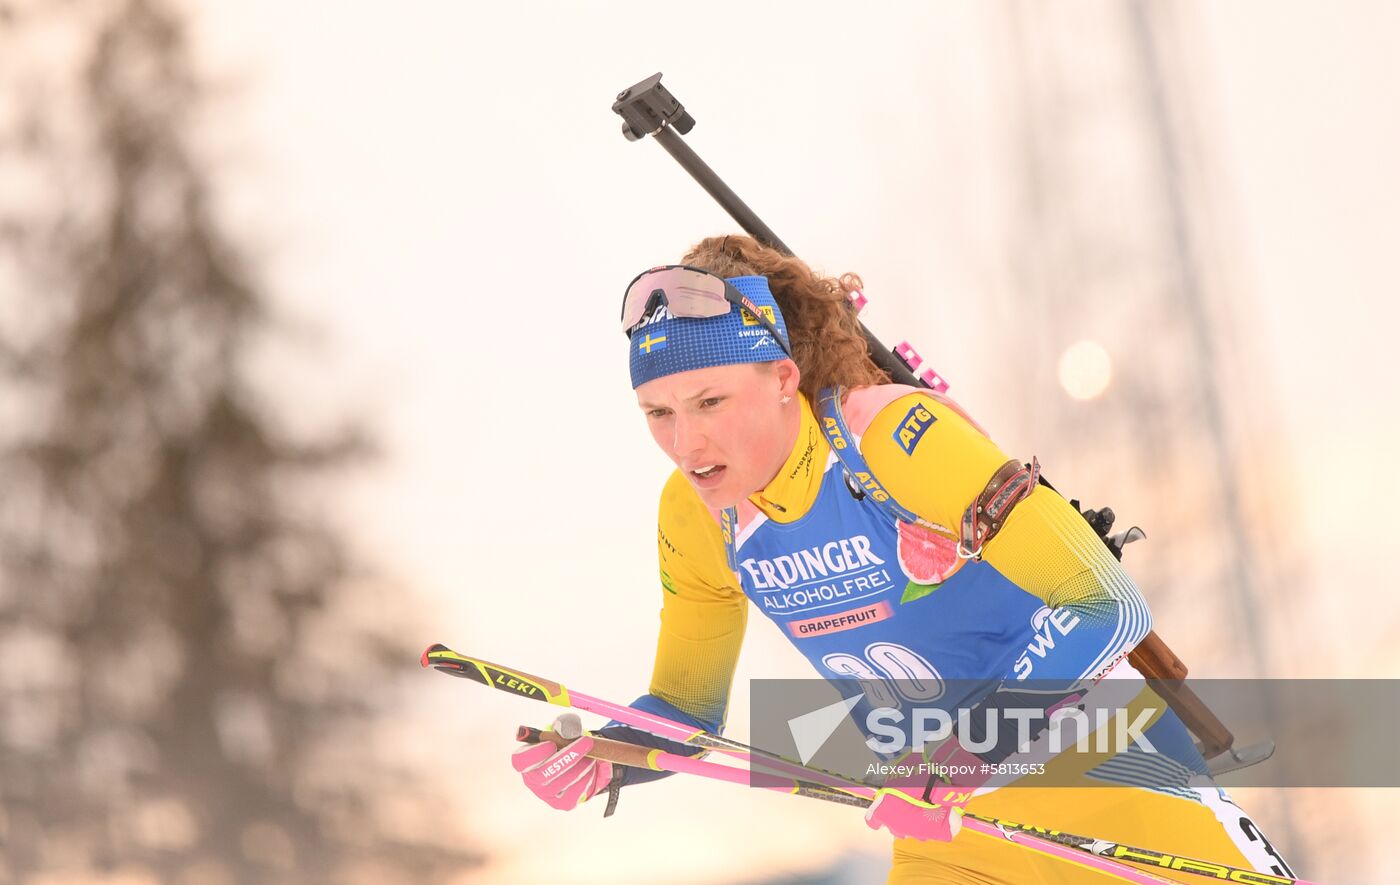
1046	599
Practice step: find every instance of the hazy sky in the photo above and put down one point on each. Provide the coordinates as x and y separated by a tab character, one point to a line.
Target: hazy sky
448	210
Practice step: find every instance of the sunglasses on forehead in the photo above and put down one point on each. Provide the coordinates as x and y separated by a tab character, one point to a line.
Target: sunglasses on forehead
691	293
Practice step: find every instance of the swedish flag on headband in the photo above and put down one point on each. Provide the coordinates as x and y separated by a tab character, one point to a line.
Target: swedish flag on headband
663	344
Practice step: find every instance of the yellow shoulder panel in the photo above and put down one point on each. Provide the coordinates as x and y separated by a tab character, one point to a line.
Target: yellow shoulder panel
937	468
933	467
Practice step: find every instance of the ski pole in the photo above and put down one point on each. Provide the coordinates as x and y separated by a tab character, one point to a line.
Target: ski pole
648	108
517	682
638	756
1098	854
623	753
1076	849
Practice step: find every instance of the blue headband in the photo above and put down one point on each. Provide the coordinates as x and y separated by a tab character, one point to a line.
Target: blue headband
663	345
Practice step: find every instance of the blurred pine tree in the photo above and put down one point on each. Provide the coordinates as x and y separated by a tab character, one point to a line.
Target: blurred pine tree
189	679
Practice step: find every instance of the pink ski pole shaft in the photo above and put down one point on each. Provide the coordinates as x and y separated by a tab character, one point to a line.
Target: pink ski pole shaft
639	756
1092	854
517	682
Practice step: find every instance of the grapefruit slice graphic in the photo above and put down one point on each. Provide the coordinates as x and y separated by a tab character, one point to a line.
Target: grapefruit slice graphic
925	556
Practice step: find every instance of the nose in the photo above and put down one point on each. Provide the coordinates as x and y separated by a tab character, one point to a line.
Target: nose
688	439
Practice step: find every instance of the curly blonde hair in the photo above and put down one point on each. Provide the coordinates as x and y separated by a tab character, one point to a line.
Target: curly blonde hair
825	335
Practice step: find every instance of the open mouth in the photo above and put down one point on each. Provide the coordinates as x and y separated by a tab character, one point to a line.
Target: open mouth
707	476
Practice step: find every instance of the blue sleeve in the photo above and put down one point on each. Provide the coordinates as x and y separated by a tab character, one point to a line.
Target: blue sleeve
657	707
1094	614
1082	639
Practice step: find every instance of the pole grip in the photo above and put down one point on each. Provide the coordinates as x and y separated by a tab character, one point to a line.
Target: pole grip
440	657
603	748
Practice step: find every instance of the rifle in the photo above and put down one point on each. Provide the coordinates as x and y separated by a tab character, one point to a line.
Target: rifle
648	108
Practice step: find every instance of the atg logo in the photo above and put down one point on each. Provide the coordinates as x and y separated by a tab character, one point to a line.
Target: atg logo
912	428
833	432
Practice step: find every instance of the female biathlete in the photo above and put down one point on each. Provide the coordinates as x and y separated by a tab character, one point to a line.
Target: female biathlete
889	539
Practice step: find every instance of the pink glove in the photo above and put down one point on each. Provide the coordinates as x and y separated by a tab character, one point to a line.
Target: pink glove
564	777
909	818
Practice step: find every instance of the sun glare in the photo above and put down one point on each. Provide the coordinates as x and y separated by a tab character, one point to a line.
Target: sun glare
1085	370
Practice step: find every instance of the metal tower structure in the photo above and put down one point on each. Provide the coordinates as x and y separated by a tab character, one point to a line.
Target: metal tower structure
1113	241
1116	239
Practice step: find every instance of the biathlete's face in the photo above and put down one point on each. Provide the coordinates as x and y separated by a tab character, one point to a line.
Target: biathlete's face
727	428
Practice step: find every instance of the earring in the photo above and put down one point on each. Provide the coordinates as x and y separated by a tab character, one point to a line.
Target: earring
785	400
